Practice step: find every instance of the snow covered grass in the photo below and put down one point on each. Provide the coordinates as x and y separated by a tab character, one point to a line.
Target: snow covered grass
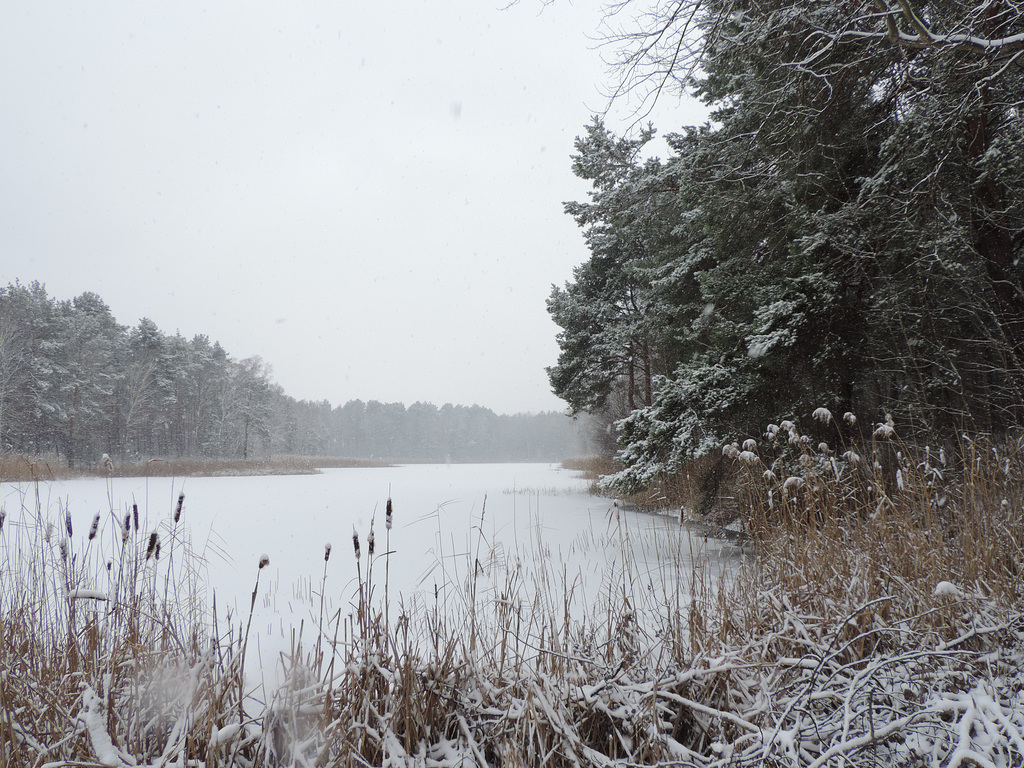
105	655
878	623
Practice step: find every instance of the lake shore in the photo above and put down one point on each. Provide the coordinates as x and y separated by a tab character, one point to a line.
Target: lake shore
17	468
856	633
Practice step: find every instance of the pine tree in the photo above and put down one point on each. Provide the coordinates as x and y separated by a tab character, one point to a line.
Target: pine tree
846	232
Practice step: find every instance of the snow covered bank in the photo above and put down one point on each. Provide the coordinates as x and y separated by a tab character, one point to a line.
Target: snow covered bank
863	638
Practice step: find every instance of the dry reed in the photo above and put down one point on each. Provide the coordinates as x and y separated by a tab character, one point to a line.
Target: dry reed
17	468
878	622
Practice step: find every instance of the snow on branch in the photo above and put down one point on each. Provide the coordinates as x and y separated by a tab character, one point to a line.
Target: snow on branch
923	36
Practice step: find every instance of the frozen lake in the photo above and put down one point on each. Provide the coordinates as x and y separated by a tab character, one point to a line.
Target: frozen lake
532	524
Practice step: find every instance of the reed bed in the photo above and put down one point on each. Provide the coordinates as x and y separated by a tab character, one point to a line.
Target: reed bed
877	622
21	469
702	488
277	465
17	468
107	655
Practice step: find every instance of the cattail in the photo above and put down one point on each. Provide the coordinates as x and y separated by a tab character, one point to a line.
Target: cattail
49	532
355	542
110	564
3	514
387	515
264	560
370	541
327	551
152	545
177	510
156	552
95	527
135	516
108	465
67	522
63	549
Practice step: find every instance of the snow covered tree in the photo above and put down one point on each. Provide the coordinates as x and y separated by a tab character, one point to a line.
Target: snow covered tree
253	391
13	362
616	319
847	231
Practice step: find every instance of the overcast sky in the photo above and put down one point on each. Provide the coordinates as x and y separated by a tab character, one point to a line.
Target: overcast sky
369	196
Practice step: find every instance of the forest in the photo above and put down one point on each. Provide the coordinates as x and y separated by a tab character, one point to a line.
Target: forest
845	233
76	384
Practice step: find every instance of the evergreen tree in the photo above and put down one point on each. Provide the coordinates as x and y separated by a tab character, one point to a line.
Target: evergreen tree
846	232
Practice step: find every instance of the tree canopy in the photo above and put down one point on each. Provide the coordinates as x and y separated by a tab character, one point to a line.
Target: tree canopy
77	384
845	232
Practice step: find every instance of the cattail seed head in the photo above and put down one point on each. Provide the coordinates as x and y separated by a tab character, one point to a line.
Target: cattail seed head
49	532
94	527
264	560
63	549
387	515
3	514
177	510
327	551
156	552
370	541
135	516
152	545
355	542
67	522
108	464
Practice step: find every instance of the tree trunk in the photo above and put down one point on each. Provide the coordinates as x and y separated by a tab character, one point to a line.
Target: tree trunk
993	239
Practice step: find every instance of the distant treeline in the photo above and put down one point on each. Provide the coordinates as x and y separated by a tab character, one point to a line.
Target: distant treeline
77	384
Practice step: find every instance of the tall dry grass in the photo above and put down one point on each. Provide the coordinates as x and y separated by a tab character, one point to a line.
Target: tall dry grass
17	468
107	654
703	489
877	622
883	519
22	469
